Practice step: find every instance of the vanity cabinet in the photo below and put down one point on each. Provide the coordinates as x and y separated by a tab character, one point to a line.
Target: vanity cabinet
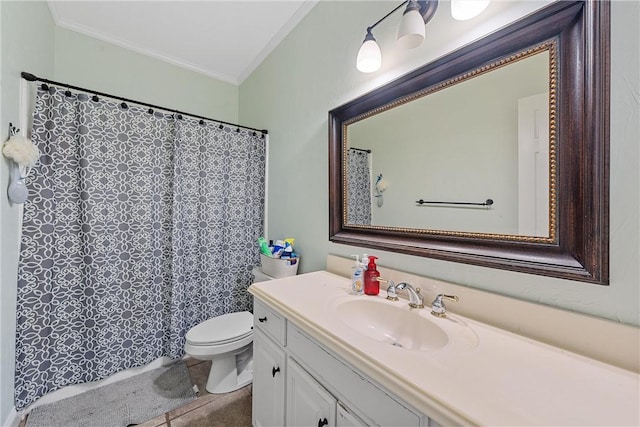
481	375
269	367
344	418
308	403
298	382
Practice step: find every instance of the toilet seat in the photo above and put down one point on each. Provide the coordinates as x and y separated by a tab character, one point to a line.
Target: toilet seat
221	330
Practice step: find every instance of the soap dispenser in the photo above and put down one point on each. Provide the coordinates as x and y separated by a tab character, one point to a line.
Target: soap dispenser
357	278
371	284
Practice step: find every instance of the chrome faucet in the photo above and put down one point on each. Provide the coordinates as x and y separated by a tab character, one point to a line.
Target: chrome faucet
437	306
415	298
392	295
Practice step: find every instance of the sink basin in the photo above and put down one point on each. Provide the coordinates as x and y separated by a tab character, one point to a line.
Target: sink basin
392	323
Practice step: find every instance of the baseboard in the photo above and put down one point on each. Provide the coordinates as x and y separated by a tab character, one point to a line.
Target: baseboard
13	419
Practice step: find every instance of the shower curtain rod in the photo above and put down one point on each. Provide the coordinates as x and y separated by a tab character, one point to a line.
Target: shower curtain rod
31	78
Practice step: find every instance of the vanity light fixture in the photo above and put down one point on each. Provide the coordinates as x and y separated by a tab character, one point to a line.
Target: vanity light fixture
369	56
411	31
463	10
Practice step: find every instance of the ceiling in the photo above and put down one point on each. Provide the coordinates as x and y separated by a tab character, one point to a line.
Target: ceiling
224	39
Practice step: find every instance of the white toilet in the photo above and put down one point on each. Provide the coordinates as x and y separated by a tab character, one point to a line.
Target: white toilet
227	341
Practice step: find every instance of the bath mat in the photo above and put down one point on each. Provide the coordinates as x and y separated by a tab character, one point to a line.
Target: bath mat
130	401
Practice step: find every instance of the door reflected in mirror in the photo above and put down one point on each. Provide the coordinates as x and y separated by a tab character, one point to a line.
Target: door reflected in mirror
442	153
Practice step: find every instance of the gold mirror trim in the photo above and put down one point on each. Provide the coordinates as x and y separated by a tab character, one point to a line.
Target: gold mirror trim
551	47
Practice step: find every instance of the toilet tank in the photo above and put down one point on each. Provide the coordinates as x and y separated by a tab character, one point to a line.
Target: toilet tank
259	276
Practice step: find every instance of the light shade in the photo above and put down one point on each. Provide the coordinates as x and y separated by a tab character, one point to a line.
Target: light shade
411	29
467	9
369	56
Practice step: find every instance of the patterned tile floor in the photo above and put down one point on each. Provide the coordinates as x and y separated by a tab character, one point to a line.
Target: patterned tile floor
208	410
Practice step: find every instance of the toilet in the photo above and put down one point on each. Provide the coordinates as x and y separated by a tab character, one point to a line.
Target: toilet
227	341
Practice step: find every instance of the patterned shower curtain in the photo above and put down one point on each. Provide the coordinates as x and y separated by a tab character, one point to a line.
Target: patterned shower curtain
358	188
139	225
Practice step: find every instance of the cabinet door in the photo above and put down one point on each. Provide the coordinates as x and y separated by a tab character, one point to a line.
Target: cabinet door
344	418
268	382
308	403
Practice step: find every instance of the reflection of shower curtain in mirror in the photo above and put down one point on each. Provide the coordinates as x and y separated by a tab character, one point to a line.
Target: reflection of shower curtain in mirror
358	188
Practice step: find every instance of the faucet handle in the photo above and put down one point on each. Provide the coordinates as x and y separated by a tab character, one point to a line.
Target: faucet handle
392	295
438	308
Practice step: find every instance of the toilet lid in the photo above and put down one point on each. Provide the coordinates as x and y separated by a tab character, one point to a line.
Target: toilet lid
222	329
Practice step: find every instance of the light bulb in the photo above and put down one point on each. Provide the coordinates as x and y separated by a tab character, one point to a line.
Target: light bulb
369	56
467	9
411	29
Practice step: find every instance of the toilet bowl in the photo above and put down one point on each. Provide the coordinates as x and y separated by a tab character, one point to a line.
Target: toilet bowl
227	341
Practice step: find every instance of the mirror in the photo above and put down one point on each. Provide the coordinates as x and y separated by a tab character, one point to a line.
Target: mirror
501	153
494	155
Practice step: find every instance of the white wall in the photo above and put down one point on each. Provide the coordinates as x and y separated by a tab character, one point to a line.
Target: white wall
313	71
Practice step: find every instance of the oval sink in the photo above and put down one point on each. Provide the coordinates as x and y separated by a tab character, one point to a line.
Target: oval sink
392	323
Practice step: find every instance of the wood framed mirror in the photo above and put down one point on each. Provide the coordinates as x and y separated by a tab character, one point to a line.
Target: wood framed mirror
436	205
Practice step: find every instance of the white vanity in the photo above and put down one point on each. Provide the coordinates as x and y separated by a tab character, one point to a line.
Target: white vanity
325	357
296	379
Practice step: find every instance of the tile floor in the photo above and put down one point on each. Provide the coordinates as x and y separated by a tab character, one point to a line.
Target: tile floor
208	410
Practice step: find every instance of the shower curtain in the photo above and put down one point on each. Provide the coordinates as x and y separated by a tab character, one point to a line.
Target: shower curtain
358	187
139	225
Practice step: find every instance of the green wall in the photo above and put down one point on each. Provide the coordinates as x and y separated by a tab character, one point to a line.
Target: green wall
27	36
309	73
31	42
313	71
94	64
453	163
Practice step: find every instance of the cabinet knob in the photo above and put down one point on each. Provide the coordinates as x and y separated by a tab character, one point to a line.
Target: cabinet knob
262	319
322	422
274	371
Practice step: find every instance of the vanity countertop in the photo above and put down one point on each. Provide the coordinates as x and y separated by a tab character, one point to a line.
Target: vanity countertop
483	376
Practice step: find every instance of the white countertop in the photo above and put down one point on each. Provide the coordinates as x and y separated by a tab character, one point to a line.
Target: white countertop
483	376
